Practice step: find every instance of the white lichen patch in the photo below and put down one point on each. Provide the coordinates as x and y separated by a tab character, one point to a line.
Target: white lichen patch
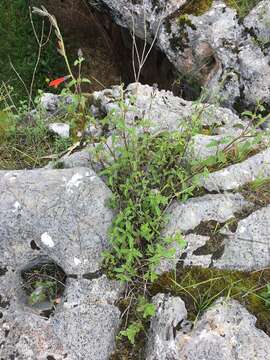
47	240
74	182
17	206
11	177
77	261
241	229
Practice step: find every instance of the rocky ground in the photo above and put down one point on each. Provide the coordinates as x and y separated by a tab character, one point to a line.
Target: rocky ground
61	216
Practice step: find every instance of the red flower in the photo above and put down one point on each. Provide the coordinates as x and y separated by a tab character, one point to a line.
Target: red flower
55	83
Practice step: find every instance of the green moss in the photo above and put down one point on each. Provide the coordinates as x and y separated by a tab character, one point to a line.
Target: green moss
243	7
199	7
196	7
200	287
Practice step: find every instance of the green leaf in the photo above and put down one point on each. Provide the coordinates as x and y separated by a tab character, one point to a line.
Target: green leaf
147	309
132	331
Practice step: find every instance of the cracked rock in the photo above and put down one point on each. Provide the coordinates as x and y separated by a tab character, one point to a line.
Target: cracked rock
165	111
226	331
170	311
234	176
249	247
184	217
219	51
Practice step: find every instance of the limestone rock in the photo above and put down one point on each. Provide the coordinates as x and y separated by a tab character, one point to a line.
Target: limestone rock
165	111
229	62
84	322
170	311
49	102
234	176
184	217
126	13
225	331
215	49
80	158
57	216
63	212
60	129
258	21
249	247
52	104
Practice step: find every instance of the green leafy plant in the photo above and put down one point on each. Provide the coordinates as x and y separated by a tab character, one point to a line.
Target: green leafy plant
145	308
265	294
148	171
43	289
75	82
132	331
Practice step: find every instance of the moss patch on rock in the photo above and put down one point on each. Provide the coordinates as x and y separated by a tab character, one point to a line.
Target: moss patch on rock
199	7
200	287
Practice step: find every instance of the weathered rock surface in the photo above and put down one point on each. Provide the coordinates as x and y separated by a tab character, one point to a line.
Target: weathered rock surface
234	176
184	217
60	129
226	331
63	211
249	247
52	104
163	110
258	21
129	14
60	216
77	159
170	311
225	55
85	322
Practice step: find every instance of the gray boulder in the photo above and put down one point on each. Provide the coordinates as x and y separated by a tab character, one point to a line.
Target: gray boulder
81	158
258	21
225	331
248	248
60	217
127	13
84	322
170	311
63	211
60	129
163	110
219	53
184	217
214	49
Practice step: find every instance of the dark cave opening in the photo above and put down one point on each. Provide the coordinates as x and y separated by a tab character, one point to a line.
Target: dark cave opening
107	50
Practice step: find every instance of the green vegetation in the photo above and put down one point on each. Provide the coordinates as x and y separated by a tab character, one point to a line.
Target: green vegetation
45	282
25	140
19	45
199	288
199	7
146	171
26	145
